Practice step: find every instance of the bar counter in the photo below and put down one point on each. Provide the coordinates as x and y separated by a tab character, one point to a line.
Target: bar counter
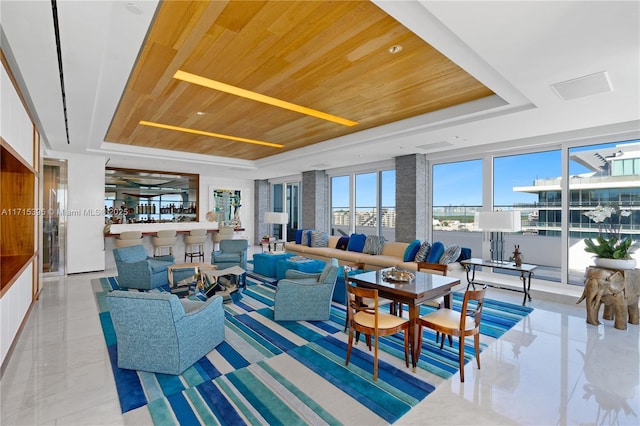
149	230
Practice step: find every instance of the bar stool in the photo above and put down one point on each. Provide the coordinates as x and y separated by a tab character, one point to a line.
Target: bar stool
164	239
195	240
224	233
129	238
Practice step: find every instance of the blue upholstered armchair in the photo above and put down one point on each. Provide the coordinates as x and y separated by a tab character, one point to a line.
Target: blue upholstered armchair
303	296
137	270
160	333
231	253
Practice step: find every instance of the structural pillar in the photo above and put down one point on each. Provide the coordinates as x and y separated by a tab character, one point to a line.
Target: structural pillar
411	197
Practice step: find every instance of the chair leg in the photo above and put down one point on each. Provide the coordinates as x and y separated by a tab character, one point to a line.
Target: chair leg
375	359
476	341
349	346
461	354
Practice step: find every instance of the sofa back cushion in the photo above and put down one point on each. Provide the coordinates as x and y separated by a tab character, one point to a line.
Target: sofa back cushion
319	239
373	244
423	252
341	243
437	250
410	252
356	242
395	249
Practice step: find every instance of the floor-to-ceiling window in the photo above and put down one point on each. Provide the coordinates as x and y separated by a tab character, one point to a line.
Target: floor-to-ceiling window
364	203
456	196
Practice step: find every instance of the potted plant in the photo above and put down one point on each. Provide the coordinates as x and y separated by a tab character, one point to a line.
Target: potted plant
611	251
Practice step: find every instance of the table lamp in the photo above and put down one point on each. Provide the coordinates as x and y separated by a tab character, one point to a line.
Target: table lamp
497	223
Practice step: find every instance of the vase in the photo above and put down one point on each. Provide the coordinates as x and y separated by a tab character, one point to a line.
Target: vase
614	263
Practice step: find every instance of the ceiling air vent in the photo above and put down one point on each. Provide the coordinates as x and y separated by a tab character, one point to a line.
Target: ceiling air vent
583	86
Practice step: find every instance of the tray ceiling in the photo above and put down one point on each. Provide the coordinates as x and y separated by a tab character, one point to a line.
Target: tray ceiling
331	59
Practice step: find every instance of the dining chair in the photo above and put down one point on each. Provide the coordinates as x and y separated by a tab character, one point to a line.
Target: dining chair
346	269
439	269
454	323
370	321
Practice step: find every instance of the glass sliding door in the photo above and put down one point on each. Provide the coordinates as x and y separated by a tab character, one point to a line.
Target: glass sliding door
54	203
340	205
293	208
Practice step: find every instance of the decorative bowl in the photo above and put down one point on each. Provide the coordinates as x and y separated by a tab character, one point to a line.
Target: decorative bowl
398	275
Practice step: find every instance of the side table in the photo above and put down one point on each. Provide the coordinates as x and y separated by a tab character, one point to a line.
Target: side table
299	264
525	271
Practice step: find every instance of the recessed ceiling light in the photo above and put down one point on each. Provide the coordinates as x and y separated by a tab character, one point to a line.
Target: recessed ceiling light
134	8
203	133
395	49
200	113
248	94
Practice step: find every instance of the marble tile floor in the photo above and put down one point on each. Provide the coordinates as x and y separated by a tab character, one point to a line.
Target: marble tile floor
550	369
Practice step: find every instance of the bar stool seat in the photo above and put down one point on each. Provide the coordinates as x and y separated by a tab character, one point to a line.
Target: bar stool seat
195	241
162	240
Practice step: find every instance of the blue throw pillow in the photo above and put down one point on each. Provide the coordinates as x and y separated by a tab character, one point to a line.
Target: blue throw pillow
343	242
299	236
411	250
356	242
437	249
465	253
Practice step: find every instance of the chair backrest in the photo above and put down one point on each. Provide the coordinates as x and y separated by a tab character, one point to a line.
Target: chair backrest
433	268
149	313
130	235
198	232
329	272
130	254
234	245
472	307
355	295
167	233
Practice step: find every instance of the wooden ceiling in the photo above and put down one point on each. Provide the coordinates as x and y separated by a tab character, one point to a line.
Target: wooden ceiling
329	56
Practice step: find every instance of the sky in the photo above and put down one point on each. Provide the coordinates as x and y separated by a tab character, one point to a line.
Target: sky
460	183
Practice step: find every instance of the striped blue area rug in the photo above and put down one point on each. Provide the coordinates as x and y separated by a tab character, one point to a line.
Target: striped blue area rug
268	372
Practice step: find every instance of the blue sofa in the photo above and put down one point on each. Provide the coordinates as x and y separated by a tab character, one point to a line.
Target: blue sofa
138	270
160	333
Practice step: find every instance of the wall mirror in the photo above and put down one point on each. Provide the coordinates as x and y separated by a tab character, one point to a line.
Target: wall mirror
147	196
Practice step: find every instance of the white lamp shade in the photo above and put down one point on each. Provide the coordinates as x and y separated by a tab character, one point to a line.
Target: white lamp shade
505	221
276	217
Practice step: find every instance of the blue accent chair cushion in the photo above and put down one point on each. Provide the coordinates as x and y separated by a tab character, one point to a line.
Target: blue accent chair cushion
303	296
437	250
138	270
160	333
411	251
356	242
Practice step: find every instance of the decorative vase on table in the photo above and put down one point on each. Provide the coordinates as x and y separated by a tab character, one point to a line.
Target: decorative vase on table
603	262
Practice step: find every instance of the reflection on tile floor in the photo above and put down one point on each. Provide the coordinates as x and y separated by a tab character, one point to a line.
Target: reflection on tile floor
550	369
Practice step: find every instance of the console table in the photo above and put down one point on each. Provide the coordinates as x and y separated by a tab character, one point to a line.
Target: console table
525	271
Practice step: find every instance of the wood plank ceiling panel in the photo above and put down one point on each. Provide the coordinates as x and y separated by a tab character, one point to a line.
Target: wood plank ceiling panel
329	56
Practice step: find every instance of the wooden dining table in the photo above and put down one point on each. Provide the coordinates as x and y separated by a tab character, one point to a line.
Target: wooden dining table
413	293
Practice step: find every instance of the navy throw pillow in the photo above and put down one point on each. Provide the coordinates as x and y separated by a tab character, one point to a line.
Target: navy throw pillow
343	242
299	236
437	249
411	250
356	242
465	253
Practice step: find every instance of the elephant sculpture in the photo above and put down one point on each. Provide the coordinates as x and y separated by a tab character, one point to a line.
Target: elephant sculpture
619	291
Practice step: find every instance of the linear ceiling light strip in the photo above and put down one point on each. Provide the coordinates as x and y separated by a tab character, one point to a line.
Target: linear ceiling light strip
56	30
215	135
216	85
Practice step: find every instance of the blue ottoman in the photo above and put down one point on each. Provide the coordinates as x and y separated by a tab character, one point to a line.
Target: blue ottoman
265	264
310	265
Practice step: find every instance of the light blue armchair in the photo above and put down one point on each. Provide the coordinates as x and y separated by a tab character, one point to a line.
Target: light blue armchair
302	296
137	270
231	253
160	333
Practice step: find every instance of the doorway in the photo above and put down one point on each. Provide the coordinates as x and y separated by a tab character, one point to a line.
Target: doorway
54	190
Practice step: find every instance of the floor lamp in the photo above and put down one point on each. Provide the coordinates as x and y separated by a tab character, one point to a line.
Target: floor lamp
497	223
